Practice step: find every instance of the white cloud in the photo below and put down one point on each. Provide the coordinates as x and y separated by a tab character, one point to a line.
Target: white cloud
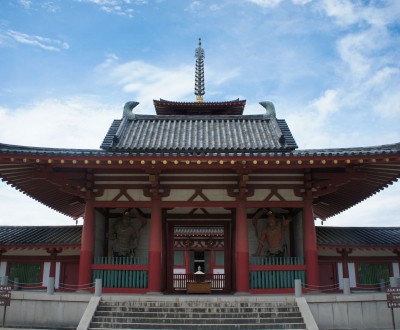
24	211
79	122
118	7
301	2
326	104
66	123
378	210
147	82
348	13
25	3
266	3
34	40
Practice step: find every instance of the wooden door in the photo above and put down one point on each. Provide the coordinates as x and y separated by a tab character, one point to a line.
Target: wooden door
328	278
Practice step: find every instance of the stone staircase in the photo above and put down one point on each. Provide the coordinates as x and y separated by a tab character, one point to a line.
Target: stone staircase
197	314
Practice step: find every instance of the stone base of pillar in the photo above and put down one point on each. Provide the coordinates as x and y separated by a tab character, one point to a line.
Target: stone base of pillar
346	286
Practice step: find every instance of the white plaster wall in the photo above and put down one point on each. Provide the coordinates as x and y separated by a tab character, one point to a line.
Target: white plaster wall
217	195
288	195
3	268
352	274
259	195
135	194
396	271
46	273
180	195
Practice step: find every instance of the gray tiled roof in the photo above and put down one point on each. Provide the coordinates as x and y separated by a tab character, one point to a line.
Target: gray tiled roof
20	236
358	236
202	134
16	236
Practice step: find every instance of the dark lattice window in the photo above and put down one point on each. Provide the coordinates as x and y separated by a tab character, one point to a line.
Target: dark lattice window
372	274
26	273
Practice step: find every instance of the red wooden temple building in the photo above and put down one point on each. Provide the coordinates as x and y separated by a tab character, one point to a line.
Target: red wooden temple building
200	187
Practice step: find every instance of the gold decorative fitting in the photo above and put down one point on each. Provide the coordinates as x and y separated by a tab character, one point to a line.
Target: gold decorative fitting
120	162
335	161
62	161
243	162
164	162
266	162
74	161
97	162
209	162
255	162
387	160
131	162
142	162
176	162
153	162
361	161
288	162
109	162
373	160
277	162
198	162
348	161
12	159
49	161
187	162
24	160
86	161
311	162
323	161
221	162
299	162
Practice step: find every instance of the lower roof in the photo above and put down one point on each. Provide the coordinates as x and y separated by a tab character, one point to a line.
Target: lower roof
17	237
33	237
352	237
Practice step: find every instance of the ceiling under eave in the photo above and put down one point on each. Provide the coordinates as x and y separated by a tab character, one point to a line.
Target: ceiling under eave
56	177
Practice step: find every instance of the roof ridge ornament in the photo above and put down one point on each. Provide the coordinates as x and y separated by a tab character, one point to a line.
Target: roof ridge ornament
199	89
270	109
128	107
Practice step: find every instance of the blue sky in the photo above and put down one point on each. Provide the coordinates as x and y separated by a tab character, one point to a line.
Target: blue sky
331	67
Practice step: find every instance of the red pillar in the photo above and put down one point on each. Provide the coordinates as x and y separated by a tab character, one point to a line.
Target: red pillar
345	264
87	246
310	246
155	274
53	260
242	248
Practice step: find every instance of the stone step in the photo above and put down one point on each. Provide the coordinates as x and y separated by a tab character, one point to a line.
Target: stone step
196	320
194	314
181	309
197	303
176	326
197	314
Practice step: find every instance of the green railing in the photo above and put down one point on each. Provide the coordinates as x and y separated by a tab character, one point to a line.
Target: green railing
276	272
120	261
268	261
121	272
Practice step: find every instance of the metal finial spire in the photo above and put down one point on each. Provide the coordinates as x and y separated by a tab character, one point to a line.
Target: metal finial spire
199	88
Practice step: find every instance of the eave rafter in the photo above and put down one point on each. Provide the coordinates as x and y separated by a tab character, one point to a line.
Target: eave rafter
338	181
